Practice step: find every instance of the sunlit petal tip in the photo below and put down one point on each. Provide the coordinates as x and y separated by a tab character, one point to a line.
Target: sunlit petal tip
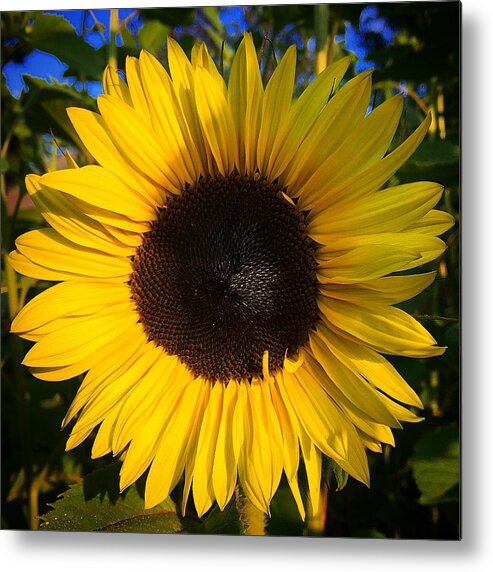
265	365
291	365
32	183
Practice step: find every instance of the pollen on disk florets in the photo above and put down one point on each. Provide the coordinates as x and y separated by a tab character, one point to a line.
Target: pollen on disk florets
227	272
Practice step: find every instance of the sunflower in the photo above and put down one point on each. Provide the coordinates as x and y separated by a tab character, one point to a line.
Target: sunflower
223	276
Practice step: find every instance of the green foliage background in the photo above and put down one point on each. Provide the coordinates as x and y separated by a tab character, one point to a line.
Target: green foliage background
415	487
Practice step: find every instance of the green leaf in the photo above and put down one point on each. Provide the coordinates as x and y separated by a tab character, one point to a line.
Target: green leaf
4	165
294	15
47	109
129	41
212	15
153	35
285	519
32	216
340	475
169	16
434	160
436	152
222	522
436	464
97	505
55	35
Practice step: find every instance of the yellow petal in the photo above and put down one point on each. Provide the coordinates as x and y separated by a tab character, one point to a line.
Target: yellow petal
216	121
251	459
339	117
137	143
390	210
273	432
302	116
357	462
202	59
124	229
384	328
315	411
224	467
80	338
371	365
68	299
291	365
386	290
289	434
266	457
193	438
167	467
183	74
420	249
138	97
98	140
362	182
101	188
202	486
245	95
295	489
434	223
178	147
23	265
102	442
358	417
115	358
165	375
275	107
113	84
144	445
363	147
238	420
353	385
60	213
46	247
365	262
313	467
180	67
66	372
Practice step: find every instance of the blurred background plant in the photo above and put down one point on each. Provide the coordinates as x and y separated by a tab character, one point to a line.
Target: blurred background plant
52	60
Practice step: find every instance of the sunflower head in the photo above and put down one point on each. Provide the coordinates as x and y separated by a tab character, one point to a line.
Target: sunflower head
227	276
229	255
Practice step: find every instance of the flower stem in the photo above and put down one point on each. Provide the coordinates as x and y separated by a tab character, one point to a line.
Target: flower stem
321	36
112	60
332	41
253	519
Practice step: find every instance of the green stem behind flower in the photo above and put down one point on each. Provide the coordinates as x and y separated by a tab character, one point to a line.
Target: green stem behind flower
321	36
114	25
253	519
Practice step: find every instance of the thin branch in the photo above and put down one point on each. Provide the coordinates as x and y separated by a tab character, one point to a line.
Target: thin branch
410	91
97	24
221	65
267	39
436	318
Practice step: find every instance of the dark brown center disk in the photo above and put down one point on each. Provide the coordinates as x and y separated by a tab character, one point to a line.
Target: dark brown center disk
226	272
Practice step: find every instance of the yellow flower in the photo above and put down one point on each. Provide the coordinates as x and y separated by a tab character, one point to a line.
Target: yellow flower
222	276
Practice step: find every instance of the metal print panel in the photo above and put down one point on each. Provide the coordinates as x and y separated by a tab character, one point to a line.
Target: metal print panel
231	270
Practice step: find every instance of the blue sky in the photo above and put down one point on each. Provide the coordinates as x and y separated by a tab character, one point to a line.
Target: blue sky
41	64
